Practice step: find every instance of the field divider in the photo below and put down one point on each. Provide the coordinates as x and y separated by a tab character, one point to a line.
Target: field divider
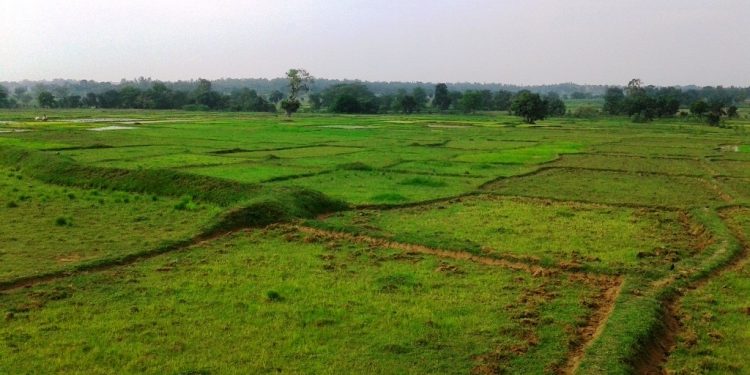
643	347
610	286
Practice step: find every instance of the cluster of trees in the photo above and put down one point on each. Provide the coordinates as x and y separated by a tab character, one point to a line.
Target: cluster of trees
641	103
266	87
358	98
158	96
644	104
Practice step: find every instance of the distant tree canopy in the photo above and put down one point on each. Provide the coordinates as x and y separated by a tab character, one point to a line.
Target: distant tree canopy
46	99
641	103
3	97
644	104
349	98
530	106
441	99
555	105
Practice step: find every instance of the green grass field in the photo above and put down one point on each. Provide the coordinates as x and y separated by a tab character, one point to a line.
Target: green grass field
212	243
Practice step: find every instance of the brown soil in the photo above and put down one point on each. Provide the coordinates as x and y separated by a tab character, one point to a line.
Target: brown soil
652	358
595	324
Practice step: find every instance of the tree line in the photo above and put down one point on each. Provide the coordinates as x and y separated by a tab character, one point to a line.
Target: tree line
643	104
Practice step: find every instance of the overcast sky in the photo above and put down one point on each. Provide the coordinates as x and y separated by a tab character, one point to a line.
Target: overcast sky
664	42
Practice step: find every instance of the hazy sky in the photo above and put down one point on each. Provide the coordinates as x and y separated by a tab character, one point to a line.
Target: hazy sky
706	42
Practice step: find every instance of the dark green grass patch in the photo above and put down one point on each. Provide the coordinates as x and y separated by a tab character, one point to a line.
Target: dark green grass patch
739	186
251	172
302	152
610	187
733	168
264	304
633	164
168	161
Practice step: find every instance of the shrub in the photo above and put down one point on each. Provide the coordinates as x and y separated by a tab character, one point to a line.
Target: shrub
273	296
186	204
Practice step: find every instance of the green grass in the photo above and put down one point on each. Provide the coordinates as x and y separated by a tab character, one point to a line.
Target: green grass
597	237
733	168
633	164
250	172
48	228
611	187
529	155
601	196
257	302
714	338
374	187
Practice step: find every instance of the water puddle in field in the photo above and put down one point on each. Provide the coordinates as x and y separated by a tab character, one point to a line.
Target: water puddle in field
730	148
351	127
89	120
440	126
113	127
14	130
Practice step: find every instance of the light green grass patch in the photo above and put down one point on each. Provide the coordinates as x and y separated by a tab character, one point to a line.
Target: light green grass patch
375	187
633	164
462	168
610	187
598	236
530	155
262	304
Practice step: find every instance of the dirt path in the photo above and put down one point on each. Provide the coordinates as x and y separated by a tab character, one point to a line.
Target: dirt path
595	324
605	304
654	356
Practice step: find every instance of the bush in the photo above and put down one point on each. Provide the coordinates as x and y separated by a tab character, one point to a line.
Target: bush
586	112
62	222
11	204
186	204
274	296
195	107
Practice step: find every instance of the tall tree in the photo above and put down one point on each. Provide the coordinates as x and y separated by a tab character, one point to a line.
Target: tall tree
471	101
408	104
3	97
555	105
46	99
420	98
529	106
501	100
613	101
699	108
442	99
299	81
